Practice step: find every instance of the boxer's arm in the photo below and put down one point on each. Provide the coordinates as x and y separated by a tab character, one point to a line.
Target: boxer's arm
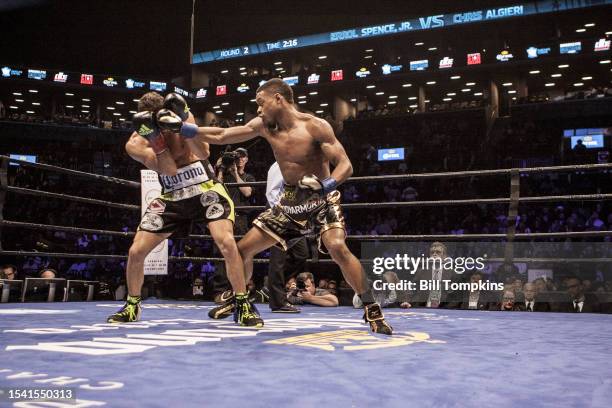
200	148
138	149
235	134
332	150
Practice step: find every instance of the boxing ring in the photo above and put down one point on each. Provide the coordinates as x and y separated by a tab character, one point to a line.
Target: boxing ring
176	356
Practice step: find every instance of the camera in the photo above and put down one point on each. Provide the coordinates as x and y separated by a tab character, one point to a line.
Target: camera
229	158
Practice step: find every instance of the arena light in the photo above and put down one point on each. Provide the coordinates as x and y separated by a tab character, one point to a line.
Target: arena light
580	30
322	57
216	107
134	112
578	84
122	119
69	106
371	86
353	99
478	94
466	90
120	103
507	84
324	104
456	77
19	100
278	62
252	100
380	93
279	69
432	48
85	111
512	91
225	104
110	107
88	100
30	112
302	102
36	103
406	85
225	71
367	57
391	102
116	114
13	107
604	61
32	91
242	68
319	111
427	101
17	94
313	93
219	111
586	78
451	94
133	100
431	82
418	44
412	98
392	96
302	97
589	25
240	114
536	71
369	50
413	106
470	83
563	66
447	99
549	84
243	73
556	75
69	94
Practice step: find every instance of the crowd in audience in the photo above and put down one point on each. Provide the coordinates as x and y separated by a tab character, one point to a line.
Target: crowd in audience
434	145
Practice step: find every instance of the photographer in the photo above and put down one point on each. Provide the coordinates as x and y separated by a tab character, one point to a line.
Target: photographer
230	169
305	292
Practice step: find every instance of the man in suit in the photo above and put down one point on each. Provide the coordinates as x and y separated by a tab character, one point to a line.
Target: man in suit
436	296
474	300
530	300
580	302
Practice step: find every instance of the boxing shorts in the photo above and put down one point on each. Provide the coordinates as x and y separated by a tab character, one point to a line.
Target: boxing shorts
299	213
192	195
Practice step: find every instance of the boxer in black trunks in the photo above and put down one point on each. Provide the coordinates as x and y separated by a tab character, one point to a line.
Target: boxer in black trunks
304	147
190	193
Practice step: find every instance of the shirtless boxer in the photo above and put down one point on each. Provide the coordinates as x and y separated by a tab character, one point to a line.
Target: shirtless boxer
190	193
304	147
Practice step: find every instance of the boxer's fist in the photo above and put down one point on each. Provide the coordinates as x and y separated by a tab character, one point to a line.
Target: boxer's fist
177	104
144	124
168	120
314	184
310	182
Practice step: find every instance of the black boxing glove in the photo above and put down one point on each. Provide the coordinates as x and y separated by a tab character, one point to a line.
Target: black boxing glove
168	120
313	183
144	124
177	104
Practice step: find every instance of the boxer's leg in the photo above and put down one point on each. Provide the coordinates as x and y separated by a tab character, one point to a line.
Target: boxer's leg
144	242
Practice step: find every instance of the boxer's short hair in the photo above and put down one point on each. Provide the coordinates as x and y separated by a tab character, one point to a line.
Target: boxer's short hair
277	85
151	101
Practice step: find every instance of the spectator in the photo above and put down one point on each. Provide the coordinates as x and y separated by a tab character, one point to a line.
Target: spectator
581	302
311	294
8	272
48	273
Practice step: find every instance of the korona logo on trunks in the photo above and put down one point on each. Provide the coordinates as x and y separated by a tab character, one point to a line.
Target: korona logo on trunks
214	211
152	222
185	176
209	198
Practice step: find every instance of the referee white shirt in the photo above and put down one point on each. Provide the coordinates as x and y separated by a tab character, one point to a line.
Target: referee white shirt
274	185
